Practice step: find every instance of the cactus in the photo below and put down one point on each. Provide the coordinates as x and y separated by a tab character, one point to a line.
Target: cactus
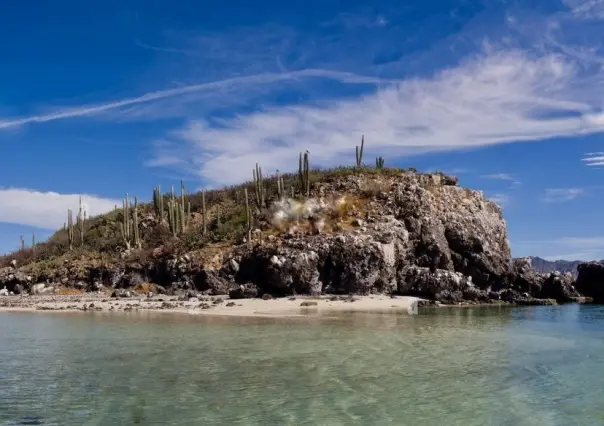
129	227
80	220
248	216
125	227
22	243
33	244
137	238
70	228
360	152
178	217
203	212
158	202
379	162
259	186
304	174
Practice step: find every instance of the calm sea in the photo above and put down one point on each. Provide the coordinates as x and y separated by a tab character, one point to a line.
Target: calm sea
491	366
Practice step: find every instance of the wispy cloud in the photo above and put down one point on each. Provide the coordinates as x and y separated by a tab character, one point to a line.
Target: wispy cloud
565	248
214	86
587	9
500	199
356	20
47	210
538	88
594	159
503	176
494	98
558	195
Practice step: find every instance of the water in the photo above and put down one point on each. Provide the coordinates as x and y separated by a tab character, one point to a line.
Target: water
528	366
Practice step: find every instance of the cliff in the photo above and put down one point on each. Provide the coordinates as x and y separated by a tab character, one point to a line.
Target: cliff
344	231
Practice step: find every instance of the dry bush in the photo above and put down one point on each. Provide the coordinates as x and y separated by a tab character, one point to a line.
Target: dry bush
68	292
373	188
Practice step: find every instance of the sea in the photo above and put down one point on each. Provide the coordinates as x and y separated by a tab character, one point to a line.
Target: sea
444	366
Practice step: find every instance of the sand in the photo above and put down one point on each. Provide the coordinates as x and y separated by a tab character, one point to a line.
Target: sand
217	306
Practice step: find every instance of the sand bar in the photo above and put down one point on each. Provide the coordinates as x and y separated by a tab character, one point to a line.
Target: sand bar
218	306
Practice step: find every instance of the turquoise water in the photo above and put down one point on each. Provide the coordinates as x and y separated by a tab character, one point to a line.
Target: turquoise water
528	366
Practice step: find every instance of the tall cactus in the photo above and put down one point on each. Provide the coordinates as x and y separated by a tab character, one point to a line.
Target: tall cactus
280	186
137	237
158	202
81	220
178	217
259	186
379	162
22	243
125	227
248	216
304	174
360	152
70	228
203	212
33	244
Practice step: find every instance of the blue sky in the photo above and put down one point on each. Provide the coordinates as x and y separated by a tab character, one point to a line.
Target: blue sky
124	95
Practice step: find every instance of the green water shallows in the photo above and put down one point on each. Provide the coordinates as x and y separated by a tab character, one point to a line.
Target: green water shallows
530	366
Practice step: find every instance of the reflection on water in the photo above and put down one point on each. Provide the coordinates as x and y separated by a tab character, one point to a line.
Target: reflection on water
485	366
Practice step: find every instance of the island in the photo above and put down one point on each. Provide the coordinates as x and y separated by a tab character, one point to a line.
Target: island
337	235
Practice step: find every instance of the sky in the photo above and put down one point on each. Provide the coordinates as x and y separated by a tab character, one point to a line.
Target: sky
107	98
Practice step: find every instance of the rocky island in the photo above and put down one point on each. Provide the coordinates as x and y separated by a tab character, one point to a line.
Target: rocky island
338	233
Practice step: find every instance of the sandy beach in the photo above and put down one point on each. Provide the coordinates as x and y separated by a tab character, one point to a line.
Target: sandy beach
300	306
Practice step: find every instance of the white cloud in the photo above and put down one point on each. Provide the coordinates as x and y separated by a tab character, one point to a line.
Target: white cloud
554	195
47	210
491	99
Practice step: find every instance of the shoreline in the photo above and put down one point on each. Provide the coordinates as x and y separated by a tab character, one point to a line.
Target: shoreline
288	307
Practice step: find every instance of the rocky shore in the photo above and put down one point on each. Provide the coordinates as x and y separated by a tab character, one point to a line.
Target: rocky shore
400	233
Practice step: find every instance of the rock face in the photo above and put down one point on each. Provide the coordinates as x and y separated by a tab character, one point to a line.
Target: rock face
409	234
590	281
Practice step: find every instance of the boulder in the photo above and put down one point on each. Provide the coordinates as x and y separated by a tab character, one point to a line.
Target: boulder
559	286
244	291
590	281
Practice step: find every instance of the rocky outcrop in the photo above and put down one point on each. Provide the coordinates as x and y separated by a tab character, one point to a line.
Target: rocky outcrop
590	281
406	233
560	287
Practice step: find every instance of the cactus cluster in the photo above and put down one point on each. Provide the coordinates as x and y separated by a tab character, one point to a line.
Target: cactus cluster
129	227
178	216
178	213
